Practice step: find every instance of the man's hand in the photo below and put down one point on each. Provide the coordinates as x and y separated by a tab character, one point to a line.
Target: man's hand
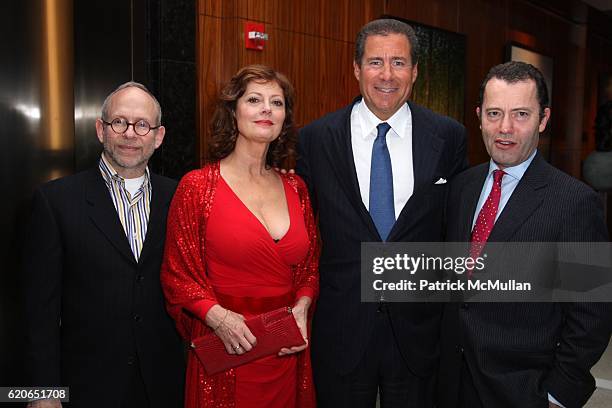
45	403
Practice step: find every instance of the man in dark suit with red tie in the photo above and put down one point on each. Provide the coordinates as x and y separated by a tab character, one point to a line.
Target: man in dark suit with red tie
520	354
95	314
377	171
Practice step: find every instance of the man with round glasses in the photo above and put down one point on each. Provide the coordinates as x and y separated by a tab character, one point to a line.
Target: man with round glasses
121	125
95	312
125	131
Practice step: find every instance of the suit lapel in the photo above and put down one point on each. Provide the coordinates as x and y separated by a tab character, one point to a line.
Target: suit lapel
104	215
426	148
157	218
526	198
469	200
343	163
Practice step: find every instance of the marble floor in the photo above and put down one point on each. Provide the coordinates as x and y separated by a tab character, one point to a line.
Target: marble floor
602	398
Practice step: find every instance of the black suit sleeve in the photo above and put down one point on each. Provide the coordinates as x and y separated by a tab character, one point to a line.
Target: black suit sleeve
460	163
302	167
42	275
586	332
461	160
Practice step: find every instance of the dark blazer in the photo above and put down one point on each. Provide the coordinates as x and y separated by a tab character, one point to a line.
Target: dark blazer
342	324
92	311
519	352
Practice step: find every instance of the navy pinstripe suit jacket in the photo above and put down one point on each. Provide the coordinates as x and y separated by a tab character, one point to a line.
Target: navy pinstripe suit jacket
519	352
342	324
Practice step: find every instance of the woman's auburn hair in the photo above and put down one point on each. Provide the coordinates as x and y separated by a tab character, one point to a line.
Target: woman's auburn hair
224	129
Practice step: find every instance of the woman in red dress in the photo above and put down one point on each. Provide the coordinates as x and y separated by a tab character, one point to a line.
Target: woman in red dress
241	241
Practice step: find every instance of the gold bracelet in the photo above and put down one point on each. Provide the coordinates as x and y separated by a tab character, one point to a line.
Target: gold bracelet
222	320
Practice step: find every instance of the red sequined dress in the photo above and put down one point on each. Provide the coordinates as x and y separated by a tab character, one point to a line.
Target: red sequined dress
216	251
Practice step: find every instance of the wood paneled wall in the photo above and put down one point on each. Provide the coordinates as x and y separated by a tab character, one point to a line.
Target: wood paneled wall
309	41
312	42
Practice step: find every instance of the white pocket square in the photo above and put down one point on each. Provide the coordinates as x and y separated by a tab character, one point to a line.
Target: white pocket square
441	181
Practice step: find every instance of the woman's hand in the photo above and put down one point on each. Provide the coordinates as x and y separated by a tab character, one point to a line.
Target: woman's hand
231	329
300	313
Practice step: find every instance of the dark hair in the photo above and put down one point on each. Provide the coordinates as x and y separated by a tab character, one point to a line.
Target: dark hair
386	26
603	128
513	72
225	129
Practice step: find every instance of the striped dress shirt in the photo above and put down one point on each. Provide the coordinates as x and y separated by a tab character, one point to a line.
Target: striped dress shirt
133	211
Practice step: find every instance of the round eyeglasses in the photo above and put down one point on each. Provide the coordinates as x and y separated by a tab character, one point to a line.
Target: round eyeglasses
121	125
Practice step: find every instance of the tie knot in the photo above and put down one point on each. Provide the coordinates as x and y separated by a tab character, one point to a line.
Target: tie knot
497	176
382	129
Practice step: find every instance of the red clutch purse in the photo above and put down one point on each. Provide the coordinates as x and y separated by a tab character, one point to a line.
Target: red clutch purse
273	330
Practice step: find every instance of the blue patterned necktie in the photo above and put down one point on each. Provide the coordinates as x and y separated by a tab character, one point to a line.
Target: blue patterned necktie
382	209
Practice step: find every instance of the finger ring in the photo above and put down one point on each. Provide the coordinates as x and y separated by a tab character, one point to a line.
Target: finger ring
237	347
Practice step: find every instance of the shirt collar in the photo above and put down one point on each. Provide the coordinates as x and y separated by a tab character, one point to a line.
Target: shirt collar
369	121
517	171
109	174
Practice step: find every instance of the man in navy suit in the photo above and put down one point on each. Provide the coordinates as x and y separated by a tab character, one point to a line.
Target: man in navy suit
520	354
94	306
377	171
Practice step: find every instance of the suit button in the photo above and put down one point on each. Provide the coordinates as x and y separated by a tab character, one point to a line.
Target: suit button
137	318
459	349
131	361
139	278
464	306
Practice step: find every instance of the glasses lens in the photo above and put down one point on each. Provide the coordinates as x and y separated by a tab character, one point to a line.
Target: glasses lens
119	125
141	127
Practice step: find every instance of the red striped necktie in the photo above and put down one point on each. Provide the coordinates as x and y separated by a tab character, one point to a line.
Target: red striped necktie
486	217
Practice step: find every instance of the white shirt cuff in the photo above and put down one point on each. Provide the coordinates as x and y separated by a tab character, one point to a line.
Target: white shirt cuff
554	401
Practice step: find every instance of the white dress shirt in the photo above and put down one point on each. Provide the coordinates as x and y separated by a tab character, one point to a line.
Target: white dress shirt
399	143
509	182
